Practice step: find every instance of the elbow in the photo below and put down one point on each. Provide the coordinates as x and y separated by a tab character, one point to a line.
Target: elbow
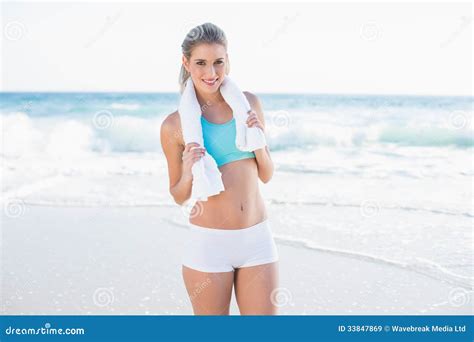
179	200
266	178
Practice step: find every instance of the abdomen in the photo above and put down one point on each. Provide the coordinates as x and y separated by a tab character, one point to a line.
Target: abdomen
239	206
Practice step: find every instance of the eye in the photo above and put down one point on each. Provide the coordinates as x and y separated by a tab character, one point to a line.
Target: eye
200	63
219	62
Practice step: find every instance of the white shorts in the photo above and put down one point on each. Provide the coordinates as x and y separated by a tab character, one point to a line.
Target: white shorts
222	250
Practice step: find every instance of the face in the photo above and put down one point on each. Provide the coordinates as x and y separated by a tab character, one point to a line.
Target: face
207	66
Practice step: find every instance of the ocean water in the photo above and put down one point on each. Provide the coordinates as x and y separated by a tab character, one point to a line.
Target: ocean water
382	178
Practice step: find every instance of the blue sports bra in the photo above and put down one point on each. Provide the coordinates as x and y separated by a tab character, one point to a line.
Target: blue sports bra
219	141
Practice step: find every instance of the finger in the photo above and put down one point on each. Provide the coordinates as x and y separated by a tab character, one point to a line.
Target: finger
253	117
198	153
188	146
253	121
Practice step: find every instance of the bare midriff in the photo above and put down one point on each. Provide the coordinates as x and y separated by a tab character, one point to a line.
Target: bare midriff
239	206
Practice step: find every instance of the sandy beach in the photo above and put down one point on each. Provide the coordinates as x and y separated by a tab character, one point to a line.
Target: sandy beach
119	260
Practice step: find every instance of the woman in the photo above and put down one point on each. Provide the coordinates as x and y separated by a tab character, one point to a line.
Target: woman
230	242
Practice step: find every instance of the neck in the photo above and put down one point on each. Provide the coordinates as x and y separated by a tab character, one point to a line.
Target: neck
207	100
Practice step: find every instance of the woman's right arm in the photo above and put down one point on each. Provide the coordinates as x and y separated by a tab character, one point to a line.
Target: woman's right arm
180	159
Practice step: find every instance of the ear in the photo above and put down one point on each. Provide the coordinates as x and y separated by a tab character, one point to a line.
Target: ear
185	62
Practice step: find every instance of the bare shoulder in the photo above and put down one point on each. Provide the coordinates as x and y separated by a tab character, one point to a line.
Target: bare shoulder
255	104
171	120
171	127
252	98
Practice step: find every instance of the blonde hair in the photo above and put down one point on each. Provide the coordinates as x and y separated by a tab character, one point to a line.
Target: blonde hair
206	33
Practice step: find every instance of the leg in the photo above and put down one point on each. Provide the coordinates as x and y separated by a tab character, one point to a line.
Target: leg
253	289
210	293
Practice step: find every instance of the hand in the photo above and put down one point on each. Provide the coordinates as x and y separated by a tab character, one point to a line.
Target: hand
253	120
191	154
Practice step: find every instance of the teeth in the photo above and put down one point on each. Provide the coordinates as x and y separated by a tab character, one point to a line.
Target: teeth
210	83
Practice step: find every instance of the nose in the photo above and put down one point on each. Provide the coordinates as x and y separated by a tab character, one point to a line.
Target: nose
211	72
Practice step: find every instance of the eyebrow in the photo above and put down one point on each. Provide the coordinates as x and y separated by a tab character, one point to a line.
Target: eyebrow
203	60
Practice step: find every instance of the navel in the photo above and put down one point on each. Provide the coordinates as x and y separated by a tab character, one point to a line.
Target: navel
241	207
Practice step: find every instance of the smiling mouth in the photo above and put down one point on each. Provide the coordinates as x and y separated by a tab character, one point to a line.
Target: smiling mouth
211	82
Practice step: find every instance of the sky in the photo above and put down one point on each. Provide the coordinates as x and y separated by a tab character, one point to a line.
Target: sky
344	48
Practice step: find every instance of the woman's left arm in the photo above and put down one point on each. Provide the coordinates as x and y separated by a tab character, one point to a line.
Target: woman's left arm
257	119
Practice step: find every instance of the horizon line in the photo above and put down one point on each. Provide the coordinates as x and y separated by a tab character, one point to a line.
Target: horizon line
256	92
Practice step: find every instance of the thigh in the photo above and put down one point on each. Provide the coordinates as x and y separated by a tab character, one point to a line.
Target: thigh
255	288
210	293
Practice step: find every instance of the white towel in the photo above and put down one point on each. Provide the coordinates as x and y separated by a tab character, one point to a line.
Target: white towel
207	179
